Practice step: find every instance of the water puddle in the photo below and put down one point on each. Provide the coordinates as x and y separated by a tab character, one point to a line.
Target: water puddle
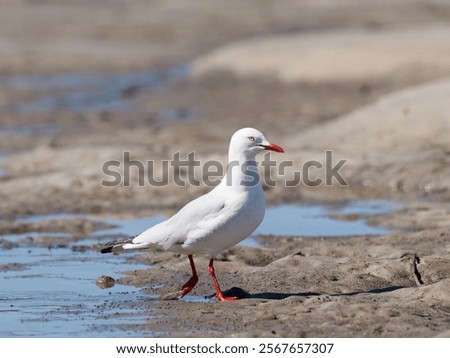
319	220
81	92
56	296
29	130
3	156
51	291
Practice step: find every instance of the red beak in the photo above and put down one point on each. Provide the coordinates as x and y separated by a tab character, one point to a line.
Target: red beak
274	147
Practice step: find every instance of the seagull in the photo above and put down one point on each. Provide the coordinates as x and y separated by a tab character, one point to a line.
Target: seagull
217	220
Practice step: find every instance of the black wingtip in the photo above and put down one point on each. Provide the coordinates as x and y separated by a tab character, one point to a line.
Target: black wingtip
114	246
106	250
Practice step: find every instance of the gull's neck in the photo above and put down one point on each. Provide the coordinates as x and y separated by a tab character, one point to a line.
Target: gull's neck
242	171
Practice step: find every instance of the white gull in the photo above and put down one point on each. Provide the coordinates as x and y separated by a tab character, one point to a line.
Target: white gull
217	220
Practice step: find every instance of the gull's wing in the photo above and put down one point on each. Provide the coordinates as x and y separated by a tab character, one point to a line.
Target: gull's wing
199	218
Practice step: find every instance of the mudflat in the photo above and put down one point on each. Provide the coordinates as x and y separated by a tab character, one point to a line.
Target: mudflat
368	80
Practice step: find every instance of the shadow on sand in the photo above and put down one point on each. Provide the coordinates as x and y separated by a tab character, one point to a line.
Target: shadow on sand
242	294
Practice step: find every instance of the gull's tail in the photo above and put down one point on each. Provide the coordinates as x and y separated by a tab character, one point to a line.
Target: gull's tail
148	239
116	246
122	245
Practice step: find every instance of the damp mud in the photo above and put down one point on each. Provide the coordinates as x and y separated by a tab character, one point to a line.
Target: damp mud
367	80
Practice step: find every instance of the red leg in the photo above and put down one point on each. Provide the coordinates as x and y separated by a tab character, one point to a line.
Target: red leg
188	286
219	293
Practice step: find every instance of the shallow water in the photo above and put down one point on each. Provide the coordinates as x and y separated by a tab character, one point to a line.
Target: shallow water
81	92
2	158
56	293
28	130
315	220
51	291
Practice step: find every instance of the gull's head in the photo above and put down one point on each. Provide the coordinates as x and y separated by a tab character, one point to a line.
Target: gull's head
251	141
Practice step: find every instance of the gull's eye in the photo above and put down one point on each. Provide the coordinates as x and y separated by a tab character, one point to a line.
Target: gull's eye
251	139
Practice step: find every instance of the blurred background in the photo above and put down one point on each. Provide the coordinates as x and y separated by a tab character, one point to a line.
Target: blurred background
83	81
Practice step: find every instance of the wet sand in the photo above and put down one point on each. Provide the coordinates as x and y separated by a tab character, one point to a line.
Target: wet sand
389	124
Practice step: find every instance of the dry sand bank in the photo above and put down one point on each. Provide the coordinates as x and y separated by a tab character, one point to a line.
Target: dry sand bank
334	56
58	36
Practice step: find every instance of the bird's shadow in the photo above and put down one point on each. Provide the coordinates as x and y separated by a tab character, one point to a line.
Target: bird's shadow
240	293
